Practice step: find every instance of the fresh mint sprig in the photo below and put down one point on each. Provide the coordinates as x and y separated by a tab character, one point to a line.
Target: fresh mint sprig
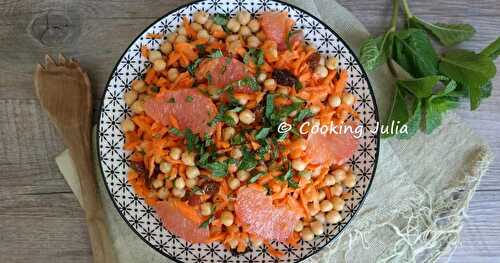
439	80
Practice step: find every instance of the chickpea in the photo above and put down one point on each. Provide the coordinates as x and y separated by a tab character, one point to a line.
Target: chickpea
334	101
180	193
234	183
162	193
181	39
233	25
312	209
283	90
307	234
165	167
314	109
159	65
192	172
321	71
270	84
244	17
206	209
336	190
321	194
232	38
190	183
139	85
203	34
166	47
182	31
243	100
306	174
261	77
298	227
128	125
209	24
228	133
348	99
254	25
236	153
299	165
188	158
339	175
247	116
245	31
172	74
253	42
317	228
321	60
171	37
196	26
157	183
227	218
215	28
329	180
201	17
350	180
242	175
333	217
320	217
331	63
137	107
179	183
233	243
154	55
175	153
326	205
130	97
233	116
338	203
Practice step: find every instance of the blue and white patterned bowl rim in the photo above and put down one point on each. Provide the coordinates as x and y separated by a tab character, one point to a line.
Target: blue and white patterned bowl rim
113	159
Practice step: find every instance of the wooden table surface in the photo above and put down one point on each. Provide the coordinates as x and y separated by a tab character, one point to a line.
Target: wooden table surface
40	219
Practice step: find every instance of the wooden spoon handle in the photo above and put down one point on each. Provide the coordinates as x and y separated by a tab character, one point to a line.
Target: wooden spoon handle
81	153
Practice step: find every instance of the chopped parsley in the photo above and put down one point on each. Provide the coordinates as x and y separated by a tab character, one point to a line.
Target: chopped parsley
219	169
302	114
257	55
189	98
192	140
237	139
262	133
176	132
171	100
155	89
227	62
217	54
248	160
250	82
256	177
207	222
221	19
193	66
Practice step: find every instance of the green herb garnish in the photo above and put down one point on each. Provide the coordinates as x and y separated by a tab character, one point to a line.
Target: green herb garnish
217	54
171	100
262	133
176	132
250	82
248	160
193	66
256	177
189	98
440	80
221	19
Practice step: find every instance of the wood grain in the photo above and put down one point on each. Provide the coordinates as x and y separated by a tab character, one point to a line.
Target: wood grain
39	215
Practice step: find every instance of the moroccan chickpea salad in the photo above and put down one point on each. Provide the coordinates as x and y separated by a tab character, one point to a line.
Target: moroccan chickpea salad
207	152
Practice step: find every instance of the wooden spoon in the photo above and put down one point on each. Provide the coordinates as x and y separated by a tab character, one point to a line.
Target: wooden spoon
64	92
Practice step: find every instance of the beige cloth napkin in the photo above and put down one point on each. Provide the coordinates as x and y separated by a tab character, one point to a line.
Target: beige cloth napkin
414	209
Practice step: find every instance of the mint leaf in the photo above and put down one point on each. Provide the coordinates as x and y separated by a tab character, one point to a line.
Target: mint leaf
414	121
492	50
399	110
470	69
421	87
374	51
447	34
414	52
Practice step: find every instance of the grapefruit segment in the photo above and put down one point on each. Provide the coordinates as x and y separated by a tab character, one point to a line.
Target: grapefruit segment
189	107
180	224
222	71
276	26
255	210
331	148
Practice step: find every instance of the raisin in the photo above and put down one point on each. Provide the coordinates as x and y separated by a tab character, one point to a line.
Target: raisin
193	199
284	77
210	188
313	60
138	168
